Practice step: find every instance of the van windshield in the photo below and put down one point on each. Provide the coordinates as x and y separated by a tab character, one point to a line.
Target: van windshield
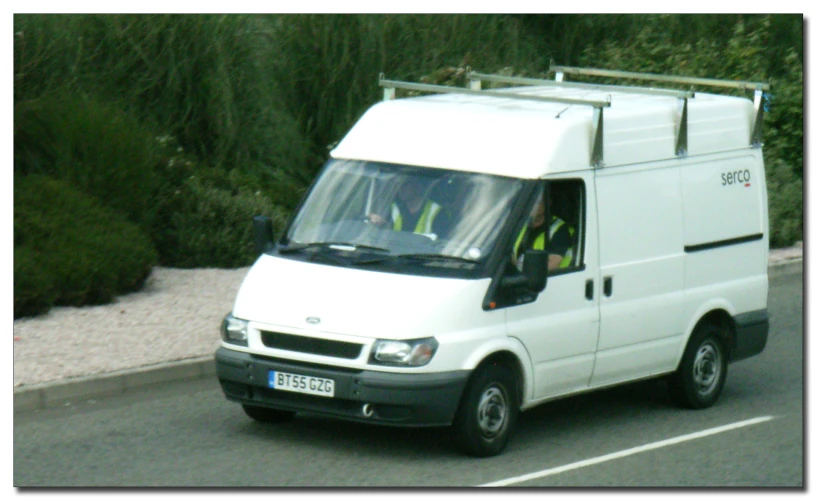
386	212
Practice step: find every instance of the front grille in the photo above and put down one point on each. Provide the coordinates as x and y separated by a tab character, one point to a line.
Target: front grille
299	365
315	346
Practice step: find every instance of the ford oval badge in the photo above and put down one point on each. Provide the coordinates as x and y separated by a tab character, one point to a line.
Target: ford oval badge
313	320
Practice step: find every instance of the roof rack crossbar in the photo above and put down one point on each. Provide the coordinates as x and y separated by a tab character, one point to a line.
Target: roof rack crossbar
475	78
755	138
390	85
597	152
735	84
681	132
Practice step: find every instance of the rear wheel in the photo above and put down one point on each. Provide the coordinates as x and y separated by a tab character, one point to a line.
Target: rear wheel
487	413
700	377
267	415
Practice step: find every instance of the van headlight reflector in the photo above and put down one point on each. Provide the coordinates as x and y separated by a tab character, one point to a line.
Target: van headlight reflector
406	353
234	330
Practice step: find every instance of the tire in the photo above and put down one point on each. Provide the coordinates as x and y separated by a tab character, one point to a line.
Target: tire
700	377
267	415
487	413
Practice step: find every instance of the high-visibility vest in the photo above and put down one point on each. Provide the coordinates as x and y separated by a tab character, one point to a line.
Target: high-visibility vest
424	223
539	243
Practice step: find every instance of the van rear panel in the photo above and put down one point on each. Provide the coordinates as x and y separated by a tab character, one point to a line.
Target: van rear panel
722	200
726	231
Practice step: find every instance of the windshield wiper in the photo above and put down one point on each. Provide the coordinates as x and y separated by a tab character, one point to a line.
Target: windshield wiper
417	257
379	259
338	245
436	257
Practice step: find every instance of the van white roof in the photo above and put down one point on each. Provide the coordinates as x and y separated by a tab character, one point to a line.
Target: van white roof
530	139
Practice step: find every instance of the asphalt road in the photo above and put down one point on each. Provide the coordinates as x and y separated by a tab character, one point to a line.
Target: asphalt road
188	435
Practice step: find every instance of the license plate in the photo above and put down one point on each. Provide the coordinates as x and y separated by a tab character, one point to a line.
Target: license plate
302	384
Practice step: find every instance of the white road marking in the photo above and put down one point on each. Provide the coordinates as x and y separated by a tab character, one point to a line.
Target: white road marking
628	452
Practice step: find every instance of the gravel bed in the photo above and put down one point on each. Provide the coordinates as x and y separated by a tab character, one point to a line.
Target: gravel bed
175	316
778	255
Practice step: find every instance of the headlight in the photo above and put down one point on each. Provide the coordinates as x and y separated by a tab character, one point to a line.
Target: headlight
234	330
409	353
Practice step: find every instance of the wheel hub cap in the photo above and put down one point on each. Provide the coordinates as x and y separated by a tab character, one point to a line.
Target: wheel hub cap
491	412
707	368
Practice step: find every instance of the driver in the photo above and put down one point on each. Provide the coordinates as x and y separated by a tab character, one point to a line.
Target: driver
533	237
412	210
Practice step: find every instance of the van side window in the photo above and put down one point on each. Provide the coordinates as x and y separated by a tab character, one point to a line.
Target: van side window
556	224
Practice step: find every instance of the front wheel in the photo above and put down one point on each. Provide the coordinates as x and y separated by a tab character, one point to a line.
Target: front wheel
699	380
487	413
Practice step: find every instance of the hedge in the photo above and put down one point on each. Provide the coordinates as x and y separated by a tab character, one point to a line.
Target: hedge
70	250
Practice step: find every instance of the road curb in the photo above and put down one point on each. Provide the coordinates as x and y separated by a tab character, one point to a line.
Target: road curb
60	393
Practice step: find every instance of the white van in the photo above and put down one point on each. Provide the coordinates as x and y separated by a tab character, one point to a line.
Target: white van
470	254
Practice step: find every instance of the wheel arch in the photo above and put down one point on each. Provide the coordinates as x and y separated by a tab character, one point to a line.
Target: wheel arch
508	357
715	315
512	362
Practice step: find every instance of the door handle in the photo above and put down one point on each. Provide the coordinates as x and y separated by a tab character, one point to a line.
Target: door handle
608	286
588	289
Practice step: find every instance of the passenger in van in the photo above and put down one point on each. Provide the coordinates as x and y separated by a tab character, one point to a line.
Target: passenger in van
532	236
413	211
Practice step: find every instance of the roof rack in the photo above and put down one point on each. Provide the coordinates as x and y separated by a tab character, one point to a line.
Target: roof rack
755	138
735	84
390	85
475	81
597	153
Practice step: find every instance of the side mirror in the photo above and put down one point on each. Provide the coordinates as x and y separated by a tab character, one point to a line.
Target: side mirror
535	269
262	227
534	275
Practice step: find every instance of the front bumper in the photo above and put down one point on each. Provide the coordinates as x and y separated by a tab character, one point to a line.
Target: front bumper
396	399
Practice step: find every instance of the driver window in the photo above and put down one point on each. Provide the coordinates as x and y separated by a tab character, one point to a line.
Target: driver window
554	224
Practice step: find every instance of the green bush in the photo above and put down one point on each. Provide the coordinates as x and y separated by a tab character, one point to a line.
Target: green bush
97	147
70	250
326	66
35	287
204	80
783	130
207	220
785	191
